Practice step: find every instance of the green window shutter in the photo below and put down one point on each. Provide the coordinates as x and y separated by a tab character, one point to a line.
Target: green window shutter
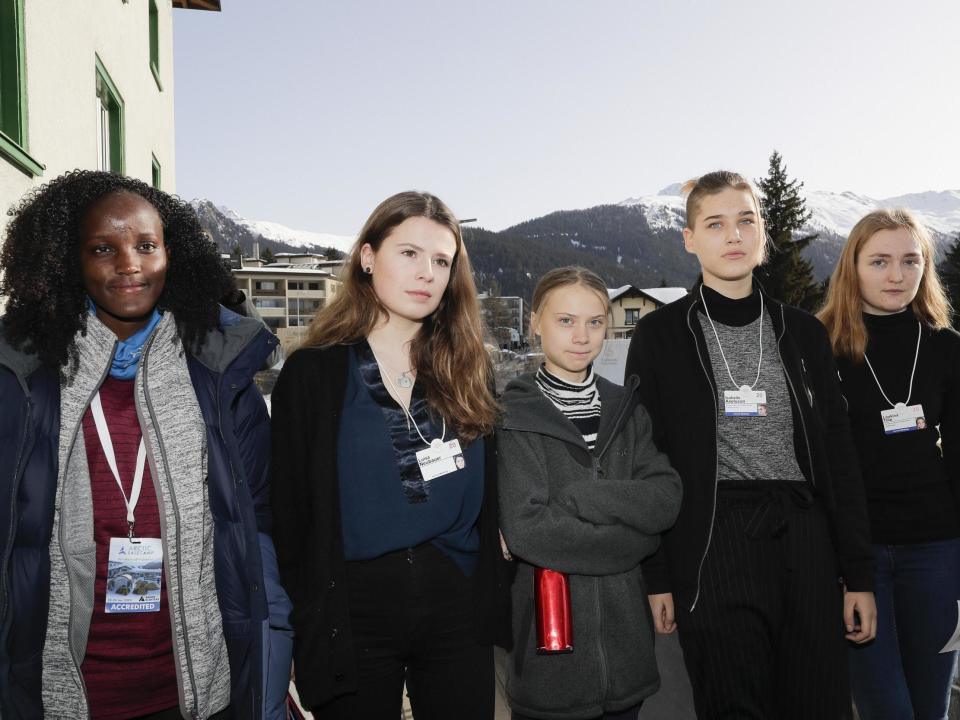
110	141
13	90
155	44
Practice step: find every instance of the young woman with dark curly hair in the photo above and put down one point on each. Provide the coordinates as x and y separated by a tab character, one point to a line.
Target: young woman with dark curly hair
136	578
383	481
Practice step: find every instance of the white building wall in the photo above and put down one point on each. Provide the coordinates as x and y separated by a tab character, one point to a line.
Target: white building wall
61	38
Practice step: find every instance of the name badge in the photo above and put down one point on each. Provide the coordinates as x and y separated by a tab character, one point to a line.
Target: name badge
903	418
134	575
745	402
441	458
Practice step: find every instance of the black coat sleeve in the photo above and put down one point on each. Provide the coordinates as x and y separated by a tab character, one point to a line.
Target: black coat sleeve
640	362
852	521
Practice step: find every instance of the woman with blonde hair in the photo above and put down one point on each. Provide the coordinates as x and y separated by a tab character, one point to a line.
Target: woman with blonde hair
745	402
384	487
899	362
583	491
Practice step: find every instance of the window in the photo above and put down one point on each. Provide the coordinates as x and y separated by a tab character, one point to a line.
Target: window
265	285
300	306
271	303
155	44
633	315
155	164
13	90
294	286
109	122
313	286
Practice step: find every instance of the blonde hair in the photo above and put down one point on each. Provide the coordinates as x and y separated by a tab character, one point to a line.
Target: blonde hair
448	351
842	312
716	182
562	277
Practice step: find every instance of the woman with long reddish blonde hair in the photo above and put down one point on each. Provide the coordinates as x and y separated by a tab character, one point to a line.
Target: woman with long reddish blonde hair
899	362
384	480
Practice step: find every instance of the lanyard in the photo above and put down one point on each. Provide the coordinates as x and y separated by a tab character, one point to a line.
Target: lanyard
719	345
916	355
107	444
386	376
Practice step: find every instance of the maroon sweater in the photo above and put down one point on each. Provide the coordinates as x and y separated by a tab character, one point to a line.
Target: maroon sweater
128	668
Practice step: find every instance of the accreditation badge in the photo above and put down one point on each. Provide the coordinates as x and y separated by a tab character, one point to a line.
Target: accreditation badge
745	402
134	575
903	418
441	458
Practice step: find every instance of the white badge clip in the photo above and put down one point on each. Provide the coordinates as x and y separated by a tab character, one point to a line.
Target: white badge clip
441	458
745	402
903	418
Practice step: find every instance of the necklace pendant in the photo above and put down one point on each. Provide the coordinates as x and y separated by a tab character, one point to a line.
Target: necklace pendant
404	381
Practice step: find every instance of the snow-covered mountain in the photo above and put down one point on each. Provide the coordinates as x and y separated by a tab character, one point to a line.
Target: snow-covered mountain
306	239
833	213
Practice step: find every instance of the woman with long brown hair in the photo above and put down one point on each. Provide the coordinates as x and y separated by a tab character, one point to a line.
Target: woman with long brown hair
384	480
899	362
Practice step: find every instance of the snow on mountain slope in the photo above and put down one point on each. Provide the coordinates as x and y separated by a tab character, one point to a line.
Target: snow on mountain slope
834	213
300	238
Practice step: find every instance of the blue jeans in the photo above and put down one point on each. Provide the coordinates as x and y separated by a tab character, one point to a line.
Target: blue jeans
902	675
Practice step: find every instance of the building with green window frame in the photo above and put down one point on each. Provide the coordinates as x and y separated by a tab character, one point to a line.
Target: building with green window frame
86	84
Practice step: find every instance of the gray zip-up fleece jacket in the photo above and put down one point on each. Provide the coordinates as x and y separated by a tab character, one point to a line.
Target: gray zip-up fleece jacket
594	516
196	621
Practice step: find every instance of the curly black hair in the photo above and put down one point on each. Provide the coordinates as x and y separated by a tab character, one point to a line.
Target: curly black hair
41	266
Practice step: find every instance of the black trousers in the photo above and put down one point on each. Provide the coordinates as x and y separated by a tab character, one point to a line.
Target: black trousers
412	617
766	637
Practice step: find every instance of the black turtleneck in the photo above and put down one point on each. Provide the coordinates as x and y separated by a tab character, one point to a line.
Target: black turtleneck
735	313
913	492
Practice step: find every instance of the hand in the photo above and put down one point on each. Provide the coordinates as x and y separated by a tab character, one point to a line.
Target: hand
503	548
662	607
860	604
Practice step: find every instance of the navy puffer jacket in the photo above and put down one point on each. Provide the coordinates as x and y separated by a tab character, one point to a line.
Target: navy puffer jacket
238	448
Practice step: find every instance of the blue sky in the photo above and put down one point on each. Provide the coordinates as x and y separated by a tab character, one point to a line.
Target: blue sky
309	112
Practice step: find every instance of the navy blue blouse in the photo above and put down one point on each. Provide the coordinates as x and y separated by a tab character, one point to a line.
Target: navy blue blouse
385	504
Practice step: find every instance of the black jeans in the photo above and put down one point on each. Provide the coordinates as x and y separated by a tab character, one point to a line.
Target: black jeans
412	616
766	638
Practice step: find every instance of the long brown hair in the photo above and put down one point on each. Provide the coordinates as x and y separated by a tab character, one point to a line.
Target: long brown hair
447	352
716	182
842	312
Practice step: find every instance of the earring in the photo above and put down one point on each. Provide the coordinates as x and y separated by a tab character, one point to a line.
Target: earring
368	270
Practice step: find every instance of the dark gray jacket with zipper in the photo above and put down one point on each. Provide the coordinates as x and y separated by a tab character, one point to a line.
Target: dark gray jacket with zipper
594	515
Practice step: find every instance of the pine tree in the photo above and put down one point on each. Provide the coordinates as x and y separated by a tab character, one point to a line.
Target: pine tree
267	256
950	275
787	275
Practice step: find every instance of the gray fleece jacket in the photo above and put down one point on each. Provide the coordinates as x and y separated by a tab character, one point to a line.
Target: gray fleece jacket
165	399
594	516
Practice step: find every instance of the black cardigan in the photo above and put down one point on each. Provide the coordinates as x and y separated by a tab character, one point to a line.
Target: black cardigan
669	354
306	405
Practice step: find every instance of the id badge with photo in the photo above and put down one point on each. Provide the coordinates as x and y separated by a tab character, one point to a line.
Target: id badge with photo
744	402
903	418
441	458
134	575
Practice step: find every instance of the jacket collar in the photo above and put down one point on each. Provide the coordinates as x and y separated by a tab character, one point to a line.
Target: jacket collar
21	363
236	339
527	409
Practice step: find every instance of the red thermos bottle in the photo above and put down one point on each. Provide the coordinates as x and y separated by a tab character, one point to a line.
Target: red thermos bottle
551	595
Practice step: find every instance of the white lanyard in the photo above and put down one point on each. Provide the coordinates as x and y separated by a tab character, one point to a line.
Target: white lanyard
912	372
719	345
107	445
386	376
